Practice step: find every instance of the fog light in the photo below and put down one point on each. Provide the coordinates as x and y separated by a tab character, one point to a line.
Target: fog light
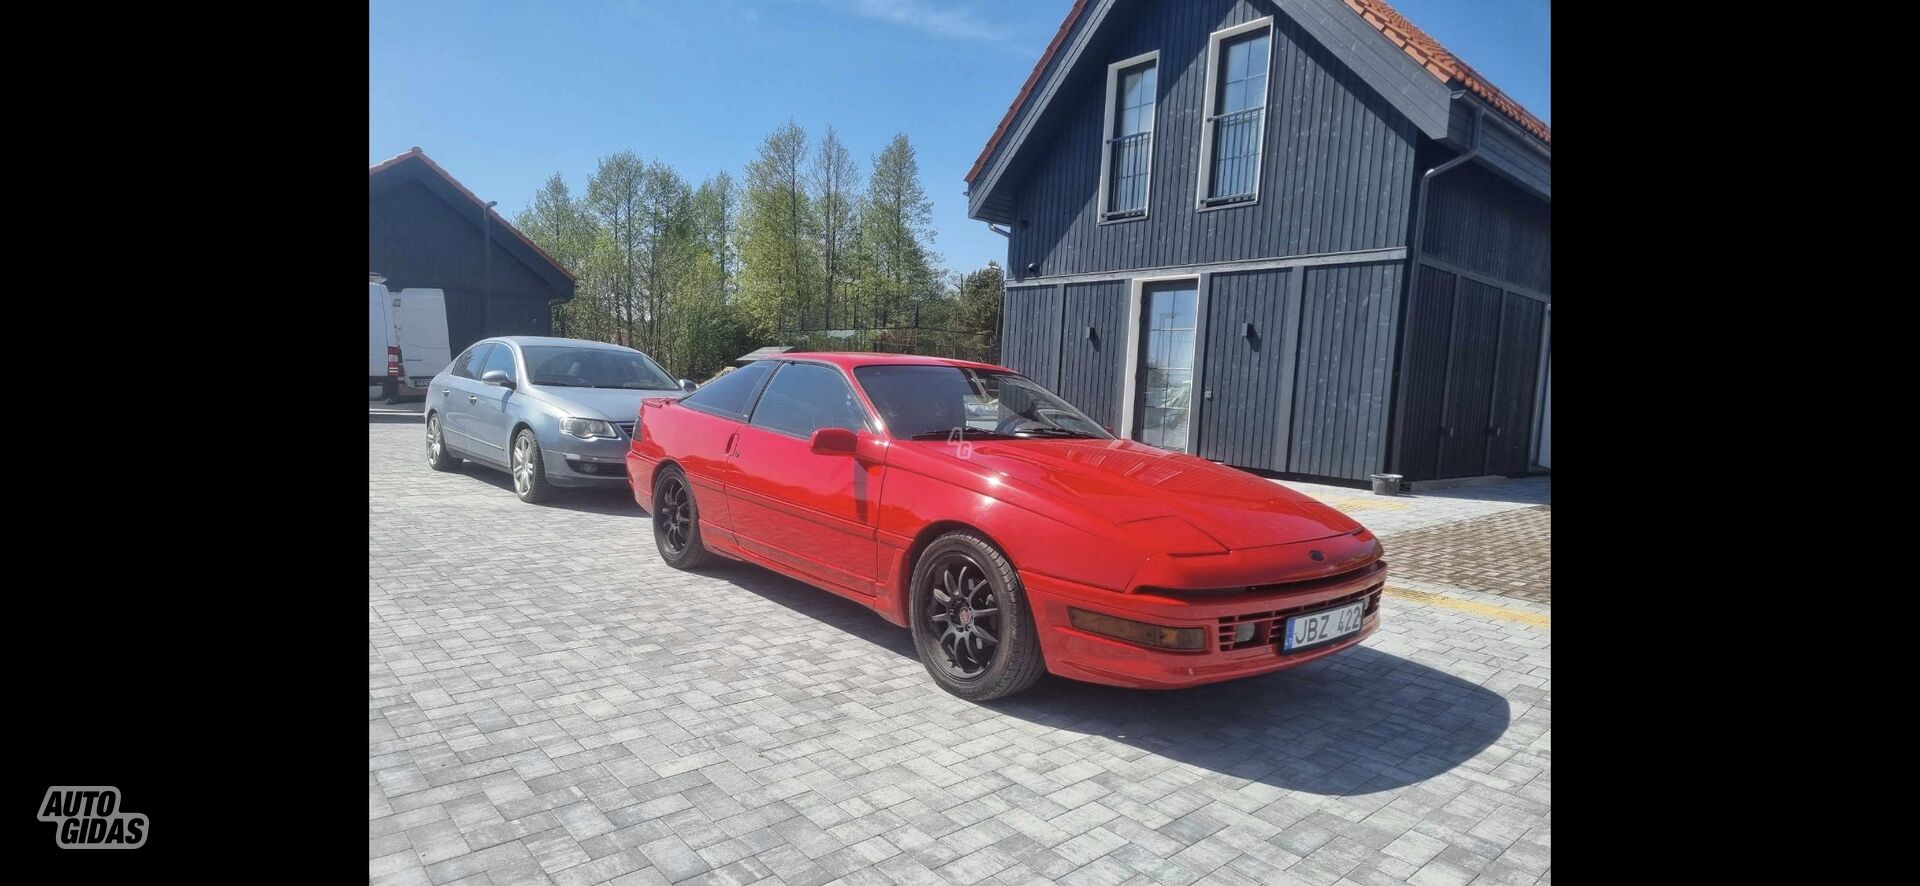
1137	632
1243	633
590	467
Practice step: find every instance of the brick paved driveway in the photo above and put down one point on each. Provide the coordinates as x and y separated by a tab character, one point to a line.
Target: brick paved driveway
549	703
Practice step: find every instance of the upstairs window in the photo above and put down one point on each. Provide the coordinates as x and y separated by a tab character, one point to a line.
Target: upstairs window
1126	166
1236	122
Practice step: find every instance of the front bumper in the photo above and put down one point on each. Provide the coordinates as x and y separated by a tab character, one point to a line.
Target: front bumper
1095	658
576	462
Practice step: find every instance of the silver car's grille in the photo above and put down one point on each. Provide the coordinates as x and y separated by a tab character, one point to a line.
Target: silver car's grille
626	427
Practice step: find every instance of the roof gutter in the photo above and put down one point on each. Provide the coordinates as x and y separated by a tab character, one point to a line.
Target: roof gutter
1004	232
1413	273
1526	138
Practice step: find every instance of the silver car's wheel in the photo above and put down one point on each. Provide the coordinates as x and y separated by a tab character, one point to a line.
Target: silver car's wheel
437	456
529	468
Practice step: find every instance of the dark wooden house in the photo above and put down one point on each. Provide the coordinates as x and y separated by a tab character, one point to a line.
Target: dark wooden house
1292	235
426	230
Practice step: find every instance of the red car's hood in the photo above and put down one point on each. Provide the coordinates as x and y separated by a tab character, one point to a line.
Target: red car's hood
1125	482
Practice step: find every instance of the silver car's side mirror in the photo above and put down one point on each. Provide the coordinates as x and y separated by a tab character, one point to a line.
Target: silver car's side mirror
496	377
686	384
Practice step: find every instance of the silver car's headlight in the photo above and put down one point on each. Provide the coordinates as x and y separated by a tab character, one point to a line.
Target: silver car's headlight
587	428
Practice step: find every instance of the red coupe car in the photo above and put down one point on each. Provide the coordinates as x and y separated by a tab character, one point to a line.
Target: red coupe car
1009	531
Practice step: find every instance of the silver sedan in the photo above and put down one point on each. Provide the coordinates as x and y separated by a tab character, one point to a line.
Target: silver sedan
551	412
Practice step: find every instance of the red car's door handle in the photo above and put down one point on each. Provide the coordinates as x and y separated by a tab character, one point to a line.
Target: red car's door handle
732	439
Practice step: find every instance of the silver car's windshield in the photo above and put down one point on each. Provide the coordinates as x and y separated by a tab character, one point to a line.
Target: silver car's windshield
564	367
927	402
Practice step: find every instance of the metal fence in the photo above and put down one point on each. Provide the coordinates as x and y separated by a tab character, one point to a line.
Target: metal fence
1236	155
907	338
1129	174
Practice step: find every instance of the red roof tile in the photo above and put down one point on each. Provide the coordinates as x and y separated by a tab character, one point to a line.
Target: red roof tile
1444	64
397	159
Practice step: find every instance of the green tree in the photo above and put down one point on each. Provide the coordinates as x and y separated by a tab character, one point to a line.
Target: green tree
895	236
778	261
832	179
716	210
615	200
667	244
559	224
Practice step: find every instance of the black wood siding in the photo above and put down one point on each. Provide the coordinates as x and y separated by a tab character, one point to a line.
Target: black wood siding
1030	332
1090	367
415	238
1472	364
1468	402
1341	392
1423	375
1247	382
1336	173
1481	222
1516	374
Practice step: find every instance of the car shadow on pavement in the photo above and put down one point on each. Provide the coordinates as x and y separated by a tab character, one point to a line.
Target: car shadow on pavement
617	502
1357	722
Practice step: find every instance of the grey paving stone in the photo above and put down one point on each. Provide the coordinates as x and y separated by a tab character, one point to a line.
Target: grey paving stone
550	703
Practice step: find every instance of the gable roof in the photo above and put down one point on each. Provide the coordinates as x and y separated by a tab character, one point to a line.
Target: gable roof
1427	52
1444	64
415	153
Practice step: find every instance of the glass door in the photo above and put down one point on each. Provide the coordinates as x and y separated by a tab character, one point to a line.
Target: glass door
1168	313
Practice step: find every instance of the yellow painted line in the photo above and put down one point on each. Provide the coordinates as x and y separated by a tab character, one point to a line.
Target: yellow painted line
1489	610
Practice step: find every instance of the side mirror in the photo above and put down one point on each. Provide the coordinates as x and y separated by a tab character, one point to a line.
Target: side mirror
833	441
497	377
686	384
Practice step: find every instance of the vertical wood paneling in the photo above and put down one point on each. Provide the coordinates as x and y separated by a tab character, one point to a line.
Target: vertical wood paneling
1423	378
1521	324
416	238
1480	222
1345	361
1090	367
1030	332
1472	351
1247	376
1337	164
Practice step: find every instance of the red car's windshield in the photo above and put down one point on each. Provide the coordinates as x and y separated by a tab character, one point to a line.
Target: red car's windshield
928	402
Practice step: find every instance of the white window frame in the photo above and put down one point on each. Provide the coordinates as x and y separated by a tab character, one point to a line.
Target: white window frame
1106	132
1214	60
1136	338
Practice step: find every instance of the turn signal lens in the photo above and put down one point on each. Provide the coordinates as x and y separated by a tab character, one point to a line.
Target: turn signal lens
1137	632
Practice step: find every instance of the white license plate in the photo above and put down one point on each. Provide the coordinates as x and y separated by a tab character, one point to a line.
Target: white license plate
1315	628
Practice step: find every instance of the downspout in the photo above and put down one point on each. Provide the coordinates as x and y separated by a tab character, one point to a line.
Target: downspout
1004	232
1413	275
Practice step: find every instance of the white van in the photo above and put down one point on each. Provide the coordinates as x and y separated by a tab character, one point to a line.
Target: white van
420	317
407	341
383	341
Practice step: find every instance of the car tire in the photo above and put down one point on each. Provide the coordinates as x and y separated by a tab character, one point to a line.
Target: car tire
439	457
676	521
984	601
528	468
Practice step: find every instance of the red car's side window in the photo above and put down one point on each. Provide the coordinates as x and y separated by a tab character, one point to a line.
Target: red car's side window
730	395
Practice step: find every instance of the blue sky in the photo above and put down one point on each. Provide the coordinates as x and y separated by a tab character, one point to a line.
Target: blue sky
504	94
